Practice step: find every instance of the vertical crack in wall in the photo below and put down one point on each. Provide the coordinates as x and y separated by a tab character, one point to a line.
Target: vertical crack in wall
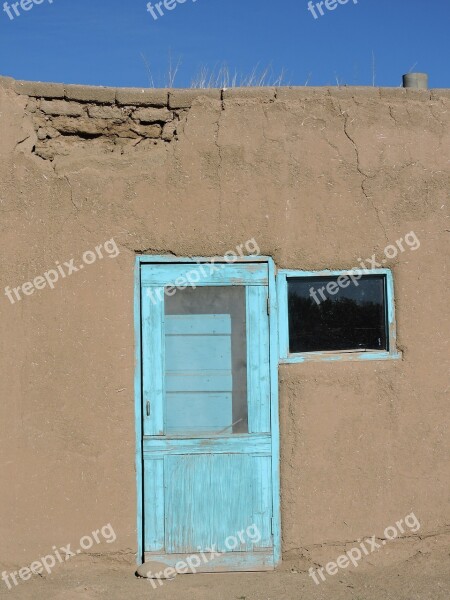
219	164
364	176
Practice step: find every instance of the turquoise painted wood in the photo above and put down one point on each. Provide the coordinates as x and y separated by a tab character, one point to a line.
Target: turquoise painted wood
208	499
258	368
204	485
198	373
262	498
227	561
188	275
153	365
274	413
154	496
218	444
138	411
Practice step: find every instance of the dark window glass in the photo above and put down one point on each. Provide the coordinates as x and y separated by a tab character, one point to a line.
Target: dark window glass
325	315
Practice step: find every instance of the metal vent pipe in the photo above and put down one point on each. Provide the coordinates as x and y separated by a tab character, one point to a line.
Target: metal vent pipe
419	81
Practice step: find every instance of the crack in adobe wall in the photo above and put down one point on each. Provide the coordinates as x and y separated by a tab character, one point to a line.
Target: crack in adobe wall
405	538
65	117
364	175
219	162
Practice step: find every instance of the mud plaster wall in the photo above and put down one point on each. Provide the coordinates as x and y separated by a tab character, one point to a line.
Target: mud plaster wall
319	177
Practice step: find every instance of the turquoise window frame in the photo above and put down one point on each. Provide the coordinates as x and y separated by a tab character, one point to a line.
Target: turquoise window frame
341	355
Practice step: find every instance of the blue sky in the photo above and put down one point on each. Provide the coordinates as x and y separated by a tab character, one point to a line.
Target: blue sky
119	43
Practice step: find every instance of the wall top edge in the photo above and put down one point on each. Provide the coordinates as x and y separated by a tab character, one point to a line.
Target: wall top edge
183	98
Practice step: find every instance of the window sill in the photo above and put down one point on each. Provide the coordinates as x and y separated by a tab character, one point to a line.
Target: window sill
344	355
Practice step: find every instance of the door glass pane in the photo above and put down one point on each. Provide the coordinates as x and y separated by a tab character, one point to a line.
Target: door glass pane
206	361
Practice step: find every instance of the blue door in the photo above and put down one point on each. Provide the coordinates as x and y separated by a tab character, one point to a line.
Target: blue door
208	486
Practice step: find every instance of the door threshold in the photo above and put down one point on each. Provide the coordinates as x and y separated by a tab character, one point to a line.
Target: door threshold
228	561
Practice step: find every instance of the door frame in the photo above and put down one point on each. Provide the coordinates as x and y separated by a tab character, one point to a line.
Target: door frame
274	411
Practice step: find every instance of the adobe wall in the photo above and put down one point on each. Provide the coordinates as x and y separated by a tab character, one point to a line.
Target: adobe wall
319	177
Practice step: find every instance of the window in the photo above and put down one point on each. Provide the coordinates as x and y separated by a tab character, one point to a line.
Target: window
335	315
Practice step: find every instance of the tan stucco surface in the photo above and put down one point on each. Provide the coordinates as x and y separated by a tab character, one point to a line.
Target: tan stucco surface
319	178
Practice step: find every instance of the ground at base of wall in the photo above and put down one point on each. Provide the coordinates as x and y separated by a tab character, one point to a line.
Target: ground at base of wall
422	577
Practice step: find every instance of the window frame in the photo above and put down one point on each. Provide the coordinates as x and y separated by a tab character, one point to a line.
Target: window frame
334	355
